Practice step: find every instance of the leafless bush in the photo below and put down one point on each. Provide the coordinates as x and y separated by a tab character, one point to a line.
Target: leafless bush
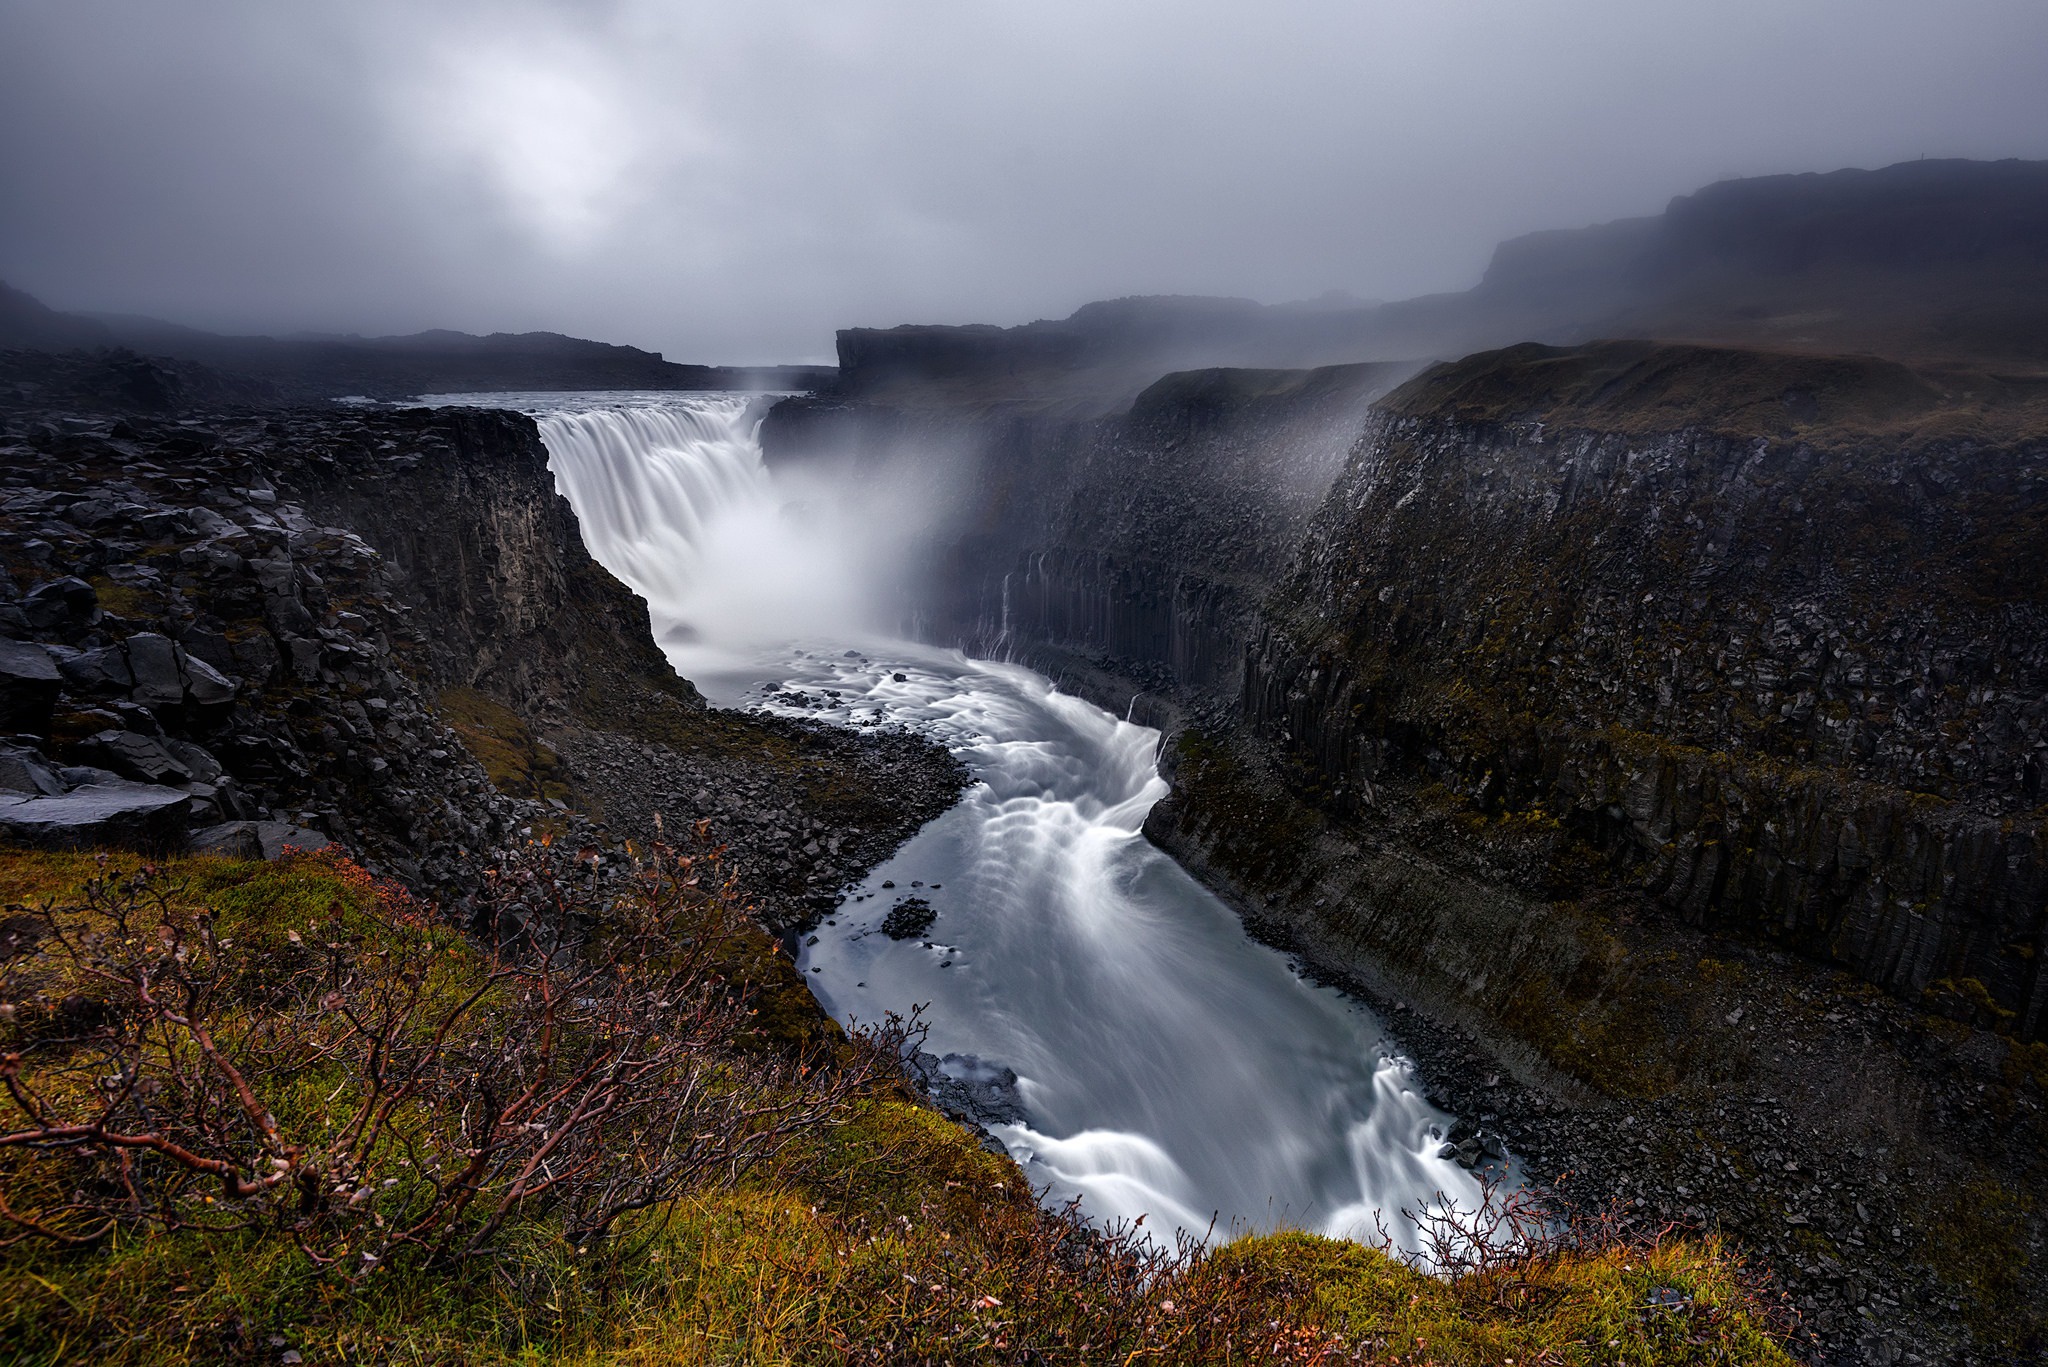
386	1090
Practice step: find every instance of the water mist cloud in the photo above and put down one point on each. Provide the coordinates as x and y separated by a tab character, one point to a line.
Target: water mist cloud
732	181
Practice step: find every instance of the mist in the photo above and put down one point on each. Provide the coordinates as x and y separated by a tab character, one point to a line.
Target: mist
731	183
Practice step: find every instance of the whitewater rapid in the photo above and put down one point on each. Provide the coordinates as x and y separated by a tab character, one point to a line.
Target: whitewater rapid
1168	1065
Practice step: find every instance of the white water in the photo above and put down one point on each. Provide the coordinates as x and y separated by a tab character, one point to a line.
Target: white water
1170	1066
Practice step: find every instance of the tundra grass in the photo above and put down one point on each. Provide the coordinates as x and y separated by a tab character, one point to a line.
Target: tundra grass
889	1236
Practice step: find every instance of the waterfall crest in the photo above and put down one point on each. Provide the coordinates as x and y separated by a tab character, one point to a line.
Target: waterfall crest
674	499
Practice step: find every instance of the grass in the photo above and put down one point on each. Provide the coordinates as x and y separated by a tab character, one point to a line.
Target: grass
885	1234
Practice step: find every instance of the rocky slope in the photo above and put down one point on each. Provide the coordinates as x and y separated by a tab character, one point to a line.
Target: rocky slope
380	628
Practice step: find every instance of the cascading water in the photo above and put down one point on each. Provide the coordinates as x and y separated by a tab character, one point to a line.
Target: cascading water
1166	1064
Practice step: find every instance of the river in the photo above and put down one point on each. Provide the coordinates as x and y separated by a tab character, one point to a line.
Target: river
1166	1064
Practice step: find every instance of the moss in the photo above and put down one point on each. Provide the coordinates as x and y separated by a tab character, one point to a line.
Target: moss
1656	388
1593	1307
125	600
1968	1000
891	1235
518	763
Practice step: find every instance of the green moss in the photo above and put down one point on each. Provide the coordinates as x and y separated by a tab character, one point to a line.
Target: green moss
1572	1308
518	764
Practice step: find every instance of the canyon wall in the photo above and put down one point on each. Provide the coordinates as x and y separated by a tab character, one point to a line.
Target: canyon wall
1140	541
1760	637
1754	637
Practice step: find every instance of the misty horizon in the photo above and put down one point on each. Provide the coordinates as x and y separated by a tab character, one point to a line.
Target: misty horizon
734	186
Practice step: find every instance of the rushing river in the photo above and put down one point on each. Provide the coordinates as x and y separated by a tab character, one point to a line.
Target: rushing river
1167	1064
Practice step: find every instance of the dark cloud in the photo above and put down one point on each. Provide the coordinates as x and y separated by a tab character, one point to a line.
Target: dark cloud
732	181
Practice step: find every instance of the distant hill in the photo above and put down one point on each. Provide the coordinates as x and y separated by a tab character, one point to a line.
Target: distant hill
1922	261
319	367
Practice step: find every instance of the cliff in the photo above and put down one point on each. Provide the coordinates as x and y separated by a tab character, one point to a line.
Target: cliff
1936	260
1779	661
1142	540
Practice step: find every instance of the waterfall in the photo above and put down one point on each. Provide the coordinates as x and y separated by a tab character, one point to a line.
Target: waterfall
675	500
1165	1064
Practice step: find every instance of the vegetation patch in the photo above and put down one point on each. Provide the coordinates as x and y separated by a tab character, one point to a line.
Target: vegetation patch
283	1112
518	763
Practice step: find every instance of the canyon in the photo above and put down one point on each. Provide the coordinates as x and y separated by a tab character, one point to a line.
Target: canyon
1649	722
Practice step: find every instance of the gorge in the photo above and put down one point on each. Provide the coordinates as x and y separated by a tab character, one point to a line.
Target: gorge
1625	756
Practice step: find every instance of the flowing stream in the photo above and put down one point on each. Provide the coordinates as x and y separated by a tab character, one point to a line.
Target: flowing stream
1166	1064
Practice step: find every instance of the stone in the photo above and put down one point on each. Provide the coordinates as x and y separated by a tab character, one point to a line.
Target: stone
101	673
197	759
24	771
131	815
257	839
29	684
61	603
153	662
139	757
207	690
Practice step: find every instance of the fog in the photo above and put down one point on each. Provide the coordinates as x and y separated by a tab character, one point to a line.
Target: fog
731	182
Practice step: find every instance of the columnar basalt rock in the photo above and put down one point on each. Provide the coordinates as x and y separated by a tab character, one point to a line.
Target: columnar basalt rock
1793	683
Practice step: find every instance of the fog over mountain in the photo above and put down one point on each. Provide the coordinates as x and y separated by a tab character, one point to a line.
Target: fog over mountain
730	183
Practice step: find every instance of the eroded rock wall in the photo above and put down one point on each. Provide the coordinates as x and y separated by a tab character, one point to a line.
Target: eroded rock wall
1791	686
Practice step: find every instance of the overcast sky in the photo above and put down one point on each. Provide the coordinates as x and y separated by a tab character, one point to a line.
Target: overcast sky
732	181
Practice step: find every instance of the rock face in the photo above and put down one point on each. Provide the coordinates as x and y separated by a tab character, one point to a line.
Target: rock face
1146	537
504	596
188	649
1789	677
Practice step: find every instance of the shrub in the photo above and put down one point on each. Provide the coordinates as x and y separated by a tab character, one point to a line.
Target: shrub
375	1086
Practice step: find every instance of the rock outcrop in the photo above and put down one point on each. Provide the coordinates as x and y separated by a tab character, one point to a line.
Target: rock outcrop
253	629
1779	661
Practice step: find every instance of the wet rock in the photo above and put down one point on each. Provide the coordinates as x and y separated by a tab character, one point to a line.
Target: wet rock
116	812
970	1088
29	684
24	771
100	673
153	664
257	839
910	919
133	756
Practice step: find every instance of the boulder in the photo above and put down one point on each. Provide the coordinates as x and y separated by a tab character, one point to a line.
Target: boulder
153	671
196	758
133	815
25	771
29	683
153	660
61	603
139	757
206	688
101	673
257	839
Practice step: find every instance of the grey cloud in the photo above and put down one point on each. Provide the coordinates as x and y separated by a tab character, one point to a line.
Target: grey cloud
732	181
